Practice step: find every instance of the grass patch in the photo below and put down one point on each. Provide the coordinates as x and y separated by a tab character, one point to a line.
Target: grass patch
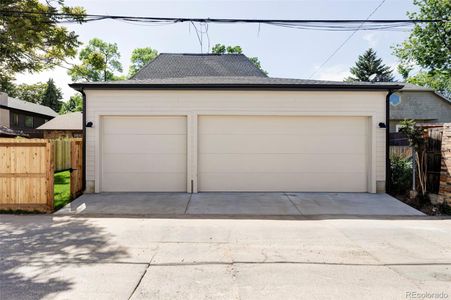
62	189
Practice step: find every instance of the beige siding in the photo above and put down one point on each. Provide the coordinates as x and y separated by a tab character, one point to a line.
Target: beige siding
208	102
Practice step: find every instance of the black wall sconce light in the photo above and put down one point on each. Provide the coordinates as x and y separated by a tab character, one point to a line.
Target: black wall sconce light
89	124
382	125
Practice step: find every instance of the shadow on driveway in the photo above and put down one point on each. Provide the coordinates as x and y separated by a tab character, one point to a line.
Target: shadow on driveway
35	249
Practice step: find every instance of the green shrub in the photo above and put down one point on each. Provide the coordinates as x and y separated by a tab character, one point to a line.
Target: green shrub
401	174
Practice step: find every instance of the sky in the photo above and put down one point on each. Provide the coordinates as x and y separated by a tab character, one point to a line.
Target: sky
283	52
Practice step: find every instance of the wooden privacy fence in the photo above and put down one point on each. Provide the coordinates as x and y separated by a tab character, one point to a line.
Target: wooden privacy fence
433	158
26	174
27	168
404	151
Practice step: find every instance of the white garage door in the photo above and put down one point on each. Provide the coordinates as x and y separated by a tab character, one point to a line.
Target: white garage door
144	154
272	153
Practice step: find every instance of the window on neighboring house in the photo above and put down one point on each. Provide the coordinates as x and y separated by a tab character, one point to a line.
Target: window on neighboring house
395	99
15	119
29	121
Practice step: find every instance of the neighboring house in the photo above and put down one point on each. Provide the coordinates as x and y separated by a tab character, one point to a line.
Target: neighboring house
212	123
23	116
64	126
418	103
11	133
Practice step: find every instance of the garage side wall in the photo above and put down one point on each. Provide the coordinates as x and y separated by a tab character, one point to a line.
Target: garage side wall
192	103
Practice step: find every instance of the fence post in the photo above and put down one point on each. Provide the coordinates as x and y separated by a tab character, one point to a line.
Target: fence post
76	167
50	166
72	171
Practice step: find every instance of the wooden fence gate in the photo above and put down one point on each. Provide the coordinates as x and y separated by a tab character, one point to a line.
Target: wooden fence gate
27	169
26	174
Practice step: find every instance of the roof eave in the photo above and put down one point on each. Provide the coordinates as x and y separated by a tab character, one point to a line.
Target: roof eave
82	86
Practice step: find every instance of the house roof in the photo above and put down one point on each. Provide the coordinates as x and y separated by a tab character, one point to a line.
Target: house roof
69	121
8	132
414	87
217	71
242	82
172	65
14	103
409	87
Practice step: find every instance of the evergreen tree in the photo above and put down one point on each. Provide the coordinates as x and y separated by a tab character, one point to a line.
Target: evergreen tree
370	68
52	96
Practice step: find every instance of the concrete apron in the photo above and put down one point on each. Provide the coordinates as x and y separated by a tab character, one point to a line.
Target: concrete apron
240	205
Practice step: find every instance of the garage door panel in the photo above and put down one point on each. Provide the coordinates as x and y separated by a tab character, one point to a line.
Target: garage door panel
144	125
143	154
281	144
281	125
142	163
271	182
289	163
139	182
278	153
154	143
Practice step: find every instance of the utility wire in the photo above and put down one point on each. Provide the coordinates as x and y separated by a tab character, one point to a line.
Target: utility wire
74	18
346	40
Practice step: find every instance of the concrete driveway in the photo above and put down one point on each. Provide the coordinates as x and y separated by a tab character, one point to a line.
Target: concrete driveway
293	205
48	257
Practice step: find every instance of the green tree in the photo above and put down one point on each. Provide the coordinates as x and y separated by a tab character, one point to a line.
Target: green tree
7	84
75	103
34	41
428	47
52	96
370	68
140	57
439	81
99	62
30	92
223	49
417	141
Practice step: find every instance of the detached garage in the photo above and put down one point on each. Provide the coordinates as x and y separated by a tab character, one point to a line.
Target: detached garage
195	123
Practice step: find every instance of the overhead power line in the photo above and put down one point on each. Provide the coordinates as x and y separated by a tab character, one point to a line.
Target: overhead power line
346	40
314	24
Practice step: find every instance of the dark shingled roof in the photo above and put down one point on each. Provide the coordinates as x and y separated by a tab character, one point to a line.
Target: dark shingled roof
167	65
219	71
8	132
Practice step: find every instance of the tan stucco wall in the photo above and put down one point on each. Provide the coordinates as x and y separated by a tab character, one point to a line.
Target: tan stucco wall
210	102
